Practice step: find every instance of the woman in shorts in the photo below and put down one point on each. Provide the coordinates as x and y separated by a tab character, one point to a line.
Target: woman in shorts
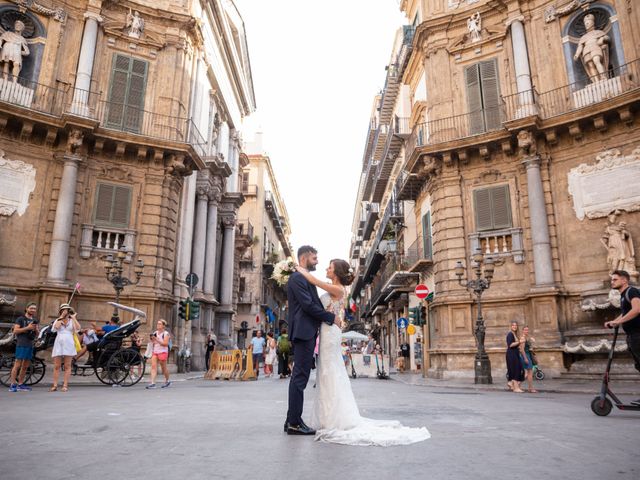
160	339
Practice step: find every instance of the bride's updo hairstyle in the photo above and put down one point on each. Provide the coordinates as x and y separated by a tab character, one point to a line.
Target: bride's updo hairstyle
343	271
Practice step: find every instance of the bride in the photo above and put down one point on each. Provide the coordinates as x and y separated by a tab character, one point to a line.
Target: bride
336	417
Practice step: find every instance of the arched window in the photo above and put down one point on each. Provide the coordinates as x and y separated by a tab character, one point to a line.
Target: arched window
596	36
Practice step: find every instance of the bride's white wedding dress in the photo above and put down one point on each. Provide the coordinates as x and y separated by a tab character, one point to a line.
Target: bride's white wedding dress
335	416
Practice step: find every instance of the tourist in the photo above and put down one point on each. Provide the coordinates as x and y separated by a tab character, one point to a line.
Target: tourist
210	347
270	357
160	340
64	347
26	331
283	348
514	365
257	343
526	358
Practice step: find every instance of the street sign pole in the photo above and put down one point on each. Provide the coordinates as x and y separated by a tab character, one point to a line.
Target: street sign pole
191	281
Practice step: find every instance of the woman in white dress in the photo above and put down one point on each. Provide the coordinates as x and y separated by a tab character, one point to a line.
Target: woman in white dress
64	347
336	416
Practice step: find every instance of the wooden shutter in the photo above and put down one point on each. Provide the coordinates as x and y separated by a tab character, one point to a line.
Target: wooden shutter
489	83
427	239
126	93
113	205
474	100
492	208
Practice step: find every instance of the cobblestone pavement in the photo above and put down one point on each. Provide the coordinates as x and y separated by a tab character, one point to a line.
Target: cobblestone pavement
199	429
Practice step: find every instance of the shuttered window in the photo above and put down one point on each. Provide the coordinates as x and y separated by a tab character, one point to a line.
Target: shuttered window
492	208
427	240
112	205
126	93
483	96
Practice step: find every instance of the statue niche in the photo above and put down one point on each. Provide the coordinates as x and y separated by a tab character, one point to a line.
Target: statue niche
22	41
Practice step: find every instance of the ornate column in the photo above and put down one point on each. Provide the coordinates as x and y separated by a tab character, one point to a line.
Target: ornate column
234	161
212	231
522	70
542	260
200	232
228	259
185	244
80	105
59	253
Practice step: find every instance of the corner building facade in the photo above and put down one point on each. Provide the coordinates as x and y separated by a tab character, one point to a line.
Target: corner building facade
121	133
523	148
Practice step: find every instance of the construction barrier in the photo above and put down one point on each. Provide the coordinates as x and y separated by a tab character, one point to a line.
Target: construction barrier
231	365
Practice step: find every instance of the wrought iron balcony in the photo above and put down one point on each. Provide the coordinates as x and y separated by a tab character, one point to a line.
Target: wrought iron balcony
373	212
244	230
245	297
249	190
416	259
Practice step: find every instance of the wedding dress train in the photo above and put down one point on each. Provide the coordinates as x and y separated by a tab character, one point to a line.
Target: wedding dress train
335	416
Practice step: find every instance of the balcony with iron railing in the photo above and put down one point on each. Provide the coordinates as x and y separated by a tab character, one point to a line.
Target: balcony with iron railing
244	230
373	212
416	259
245	297
249	190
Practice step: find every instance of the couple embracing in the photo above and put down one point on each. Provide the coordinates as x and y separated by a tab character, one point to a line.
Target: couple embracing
336	417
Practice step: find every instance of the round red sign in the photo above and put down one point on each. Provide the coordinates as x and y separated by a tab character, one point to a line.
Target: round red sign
422	291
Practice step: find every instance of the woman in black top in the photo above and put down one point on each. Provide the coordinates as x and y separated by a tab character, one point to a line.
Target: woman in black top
515	374
211	345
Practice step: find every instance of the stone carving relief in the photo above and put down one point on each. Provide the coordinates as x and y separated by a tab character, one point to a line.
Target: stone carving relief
175	165
552	12
117	172
74	142
593	50
527	143
135	24
596	188
17	182
617	240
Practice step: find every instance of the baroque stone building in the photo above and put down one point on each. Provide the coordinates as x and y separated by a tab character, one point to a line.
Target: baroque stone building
507	128
262	303
121	134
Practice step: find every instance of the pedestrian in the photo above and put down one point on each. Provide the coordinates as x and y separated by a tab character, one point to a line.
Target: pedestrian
26	331
257	343
345	353
270	354
160	353
526	358
514	365
629	317
136	345
283	349
210	347
64	348
371	345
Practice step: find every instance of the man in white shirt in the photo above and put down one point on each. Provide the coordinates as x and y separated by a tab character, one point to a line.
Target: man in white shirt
258	350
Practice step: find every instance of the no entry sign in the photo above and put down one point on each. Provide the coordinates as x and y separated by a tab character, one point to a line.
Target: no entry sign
422	291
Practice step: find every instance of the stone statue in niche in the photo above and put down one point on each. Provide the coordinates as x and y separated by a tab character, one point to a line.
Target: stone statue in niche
13	47
619	244
593	50
135	24
74	142
474	25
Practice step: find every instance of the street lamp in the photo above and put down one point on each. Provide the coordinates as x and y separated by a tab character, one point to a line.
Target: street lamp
114	268
478	285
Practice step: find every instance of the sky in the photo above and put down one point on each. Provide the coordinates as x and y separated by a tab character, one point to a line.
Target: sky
316	67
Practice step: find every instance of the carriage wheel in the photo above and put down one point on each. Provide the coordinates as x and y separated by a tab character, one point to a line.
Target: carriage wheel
100	368
35	372
126	367
6	365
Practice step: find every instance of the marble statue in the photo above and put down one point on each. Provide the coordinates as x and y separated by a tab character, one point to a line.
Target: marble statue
619	244
593	50
474	24
135	24
13	47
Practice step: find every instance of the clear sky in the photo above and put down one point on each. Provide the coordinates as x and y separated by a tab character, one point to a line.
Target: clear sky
316	67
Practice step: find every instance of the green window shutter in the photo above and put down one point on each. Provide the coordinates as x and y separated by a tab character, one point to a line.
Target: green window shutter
474	99
126	93
492	207
427	238
482	209
113	205
501	207
490	93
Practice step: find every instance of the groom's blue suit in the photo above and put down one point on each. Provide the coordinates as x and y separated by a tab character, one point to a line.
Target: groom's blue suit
306	313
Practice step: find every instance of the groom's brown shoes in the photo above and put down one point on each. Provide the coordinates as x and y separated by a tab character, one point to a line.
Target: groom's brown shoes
300	430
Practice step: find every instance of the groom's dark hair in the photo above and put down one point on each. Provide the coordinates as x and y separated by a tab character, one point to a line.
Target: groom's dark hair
306	249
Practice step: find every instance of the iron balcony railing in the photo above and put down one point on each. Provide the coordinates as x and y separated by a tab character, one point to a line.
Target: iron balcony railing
249	190
245	229
33	96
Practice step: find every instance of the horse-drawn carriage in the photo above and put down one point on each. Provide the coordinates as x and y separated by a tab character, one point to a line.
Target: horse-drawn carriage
112	362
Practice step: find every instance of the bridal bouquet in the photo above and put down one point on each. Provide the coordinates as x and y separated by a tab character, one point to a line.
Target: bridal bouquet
282	270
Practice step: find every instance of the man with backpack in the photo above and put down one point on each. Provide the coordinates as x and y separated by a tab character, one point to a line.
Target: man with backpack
630	317
283	348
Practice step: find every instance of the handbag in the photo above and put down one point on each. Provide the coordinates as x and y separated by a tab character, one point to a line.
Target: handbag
76	342
149	351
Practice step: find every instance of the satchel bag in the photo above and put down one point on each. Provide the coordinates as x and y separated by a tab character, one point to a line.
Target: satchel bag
76	342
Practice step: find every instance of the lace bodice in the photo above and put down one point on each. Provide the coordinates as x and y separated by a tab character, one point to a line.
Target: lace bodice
335	306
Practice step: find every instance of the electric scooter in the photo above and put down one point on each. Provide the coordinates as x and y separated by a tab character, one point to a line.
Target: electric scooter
353	370
601	405
382	375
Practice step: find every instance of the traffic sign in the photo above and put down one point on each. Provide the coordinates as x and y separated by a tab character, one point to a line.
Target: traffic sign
402	322
191	280
411	329
422	291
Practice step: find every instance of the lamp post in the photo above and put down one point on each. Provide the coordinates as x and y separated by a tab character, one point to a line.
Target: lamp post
114	269
478	285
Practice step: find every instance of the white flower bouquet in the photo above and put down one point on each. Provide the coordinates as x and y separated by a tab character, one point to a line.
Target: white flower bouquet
282	270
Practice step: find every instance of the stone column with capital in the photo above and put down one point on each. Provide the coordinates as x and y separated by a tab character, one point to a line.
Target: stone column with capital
212	232
525	105
225	313
185	243
63	223
542	259
200	232
80	105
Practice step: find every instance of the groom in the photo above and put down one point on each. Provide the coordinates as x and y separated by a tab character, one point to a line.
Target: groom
305	315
